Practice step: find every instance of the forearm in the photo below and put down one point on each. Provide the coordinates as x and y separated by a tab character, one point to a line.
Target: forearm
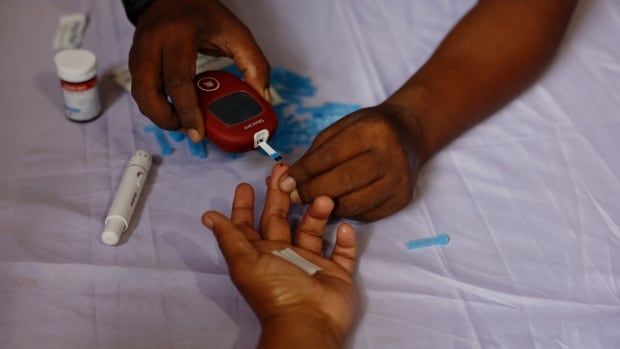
490	56
299	333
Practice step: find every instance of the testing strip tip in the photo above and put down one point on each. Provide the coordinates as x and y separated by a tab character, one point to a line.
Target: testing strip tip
270	151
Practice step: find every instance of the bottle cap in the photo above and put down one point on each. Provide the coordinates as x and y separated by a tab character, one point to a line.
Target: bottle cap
76	65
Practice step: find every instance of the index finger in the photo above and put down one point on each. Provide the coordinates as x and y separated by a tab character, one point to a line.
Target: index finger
147	89
179	69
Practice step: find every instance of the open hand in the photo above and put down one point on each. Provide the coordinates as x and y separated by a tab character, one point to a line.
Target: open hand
278	291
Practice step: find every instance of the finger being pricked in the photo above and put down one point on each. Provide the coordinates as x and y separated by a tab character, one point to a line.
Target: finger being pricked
274	220
310	230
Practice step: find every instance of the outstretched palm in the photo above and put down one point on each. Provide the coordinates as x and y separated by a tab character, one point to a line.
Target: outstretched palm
272	286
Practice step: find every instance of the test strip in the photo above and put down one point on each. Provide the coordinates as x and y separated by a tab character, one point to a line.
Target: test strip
270	151
299	260
294	258
122	77
70	31
438	240
276	99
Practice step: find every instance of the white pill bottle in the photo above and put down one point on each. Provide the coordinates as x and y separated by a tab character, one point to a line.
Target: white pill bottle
77	70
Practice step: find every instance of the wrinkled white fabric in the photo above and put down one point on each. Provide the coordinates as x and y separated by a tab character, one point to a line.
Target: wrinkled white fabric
530	198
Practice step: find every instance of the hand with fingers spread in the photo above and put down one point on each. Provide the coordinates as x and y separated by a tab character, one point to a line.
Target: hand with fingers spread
295	309
162	60
367	162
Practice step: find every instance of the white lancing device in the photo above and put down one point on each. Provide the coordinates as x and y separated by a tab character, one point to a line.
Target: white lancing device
127	196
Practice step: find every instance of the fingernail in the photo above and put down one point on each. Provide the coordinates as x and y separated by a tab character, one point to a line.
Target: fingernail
287	184
295	197
267	94
194	135
208	222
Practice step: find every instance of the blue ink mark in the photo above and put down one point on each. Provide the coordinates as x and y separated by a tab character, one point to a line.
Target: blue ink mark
329	108
439	240
294	132
287	80
298	123
197	149
164	146
176	136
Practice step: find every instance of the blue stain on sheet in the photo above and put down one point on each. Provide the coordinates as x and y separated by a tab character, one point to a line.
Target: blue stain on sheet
439	240
198	150
291	86
298	123
176	136
164	146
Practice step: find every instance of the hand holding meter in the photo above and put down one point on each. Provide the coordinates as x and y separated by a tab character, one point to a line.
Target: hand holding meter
237	118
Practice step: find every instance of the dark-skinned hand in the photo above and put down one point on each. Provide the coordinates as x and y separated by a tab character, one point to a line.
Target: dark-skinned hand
162	60
288	301
367	162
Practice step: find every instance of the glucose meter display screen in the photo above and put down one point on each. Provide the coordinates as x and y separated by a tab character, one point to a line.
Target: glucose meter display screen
235	108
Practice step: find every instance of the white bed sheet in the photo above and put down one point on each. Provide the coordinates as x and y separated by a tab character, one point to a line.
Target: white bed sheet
529	197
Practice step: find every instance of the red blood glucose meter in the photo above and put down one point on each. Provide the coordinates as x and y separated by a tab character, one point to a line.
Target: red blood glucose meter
236	117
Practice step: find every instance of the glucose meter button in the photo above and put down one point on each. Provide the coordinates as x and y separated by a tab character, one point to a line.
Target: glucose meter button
208	84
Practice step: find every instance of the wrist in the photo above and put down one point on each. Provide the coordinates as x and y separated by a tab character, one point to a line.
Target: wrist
410	116
300	331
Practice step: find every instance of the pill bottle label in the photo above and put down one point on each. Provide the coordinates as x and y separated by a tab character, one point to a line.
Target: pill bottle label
82	101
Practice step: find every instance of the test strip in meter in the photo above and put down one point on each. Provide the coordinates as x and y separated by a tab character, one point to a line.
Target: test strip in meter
270	151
